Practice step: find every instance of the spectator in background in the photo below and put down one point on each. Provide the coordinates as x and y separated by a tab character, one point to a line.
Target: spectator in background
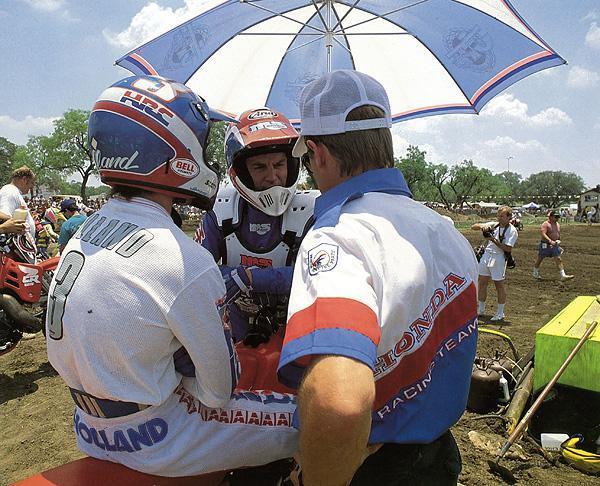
11	196
550	245
502	237
74	220
590	213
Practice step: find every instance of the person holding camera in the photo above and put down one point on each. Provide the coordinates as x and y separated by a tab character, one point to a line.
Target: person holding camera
501	237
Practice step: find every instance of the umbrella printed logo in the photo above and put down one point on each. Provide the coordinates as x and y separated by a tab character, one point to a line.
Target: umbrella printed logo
470	49
322	258
184	46
294	88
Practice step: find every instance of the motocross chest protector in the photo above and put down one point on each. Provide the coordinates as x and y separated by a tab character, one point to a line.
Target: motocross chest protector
236	250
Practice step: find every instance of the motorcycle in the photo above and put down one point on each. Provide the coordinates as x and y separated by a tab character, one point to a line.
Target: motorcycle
517	223
24	285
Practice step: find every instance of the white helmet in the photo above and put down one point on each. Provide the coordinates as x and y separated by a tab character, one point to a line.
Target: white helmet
262	131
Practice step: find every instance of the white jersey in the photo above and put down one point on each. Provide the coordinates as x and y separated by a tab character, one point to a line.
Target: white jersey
130	290
11	199
388	282
509	237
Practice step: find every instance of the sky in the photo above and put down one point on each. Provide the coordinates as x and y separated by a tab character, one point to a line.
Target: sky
59	54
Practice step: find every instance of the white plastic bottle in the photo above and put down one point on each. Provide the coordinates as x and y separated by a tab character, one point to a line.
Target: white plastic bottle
21	213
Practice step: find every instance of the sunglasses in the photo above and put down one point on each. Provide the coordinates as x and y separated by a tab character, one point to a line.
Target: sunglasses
305	160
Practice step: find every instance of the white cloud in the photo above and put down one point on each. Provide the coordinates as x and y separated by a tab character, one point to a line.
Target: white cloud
17	131
54	7
550	117
592	38
153	20
46	5
582	78
511	109
592	15
510	143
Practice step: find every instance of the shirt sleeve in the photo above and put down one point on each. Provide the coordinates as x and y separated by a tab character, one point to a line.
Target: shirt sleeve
332	308
8	202
511	237
65	234
209	235
200	322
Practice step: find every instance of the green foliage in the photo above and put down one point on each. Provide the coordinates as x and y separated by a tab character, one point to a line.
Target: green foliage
416	172
552	188
461	183
7	153
214	149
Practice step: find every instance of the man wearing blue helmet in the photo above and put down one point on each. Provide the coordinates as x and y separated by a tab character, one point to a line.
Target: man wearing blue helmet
136	324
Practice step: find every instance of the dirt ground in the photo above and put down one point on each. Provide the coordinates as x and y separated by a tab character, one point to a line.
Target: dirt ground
36	409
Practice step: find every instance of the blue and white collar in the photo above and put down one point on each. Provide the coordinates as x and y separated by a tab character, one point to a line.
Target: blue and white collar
328	206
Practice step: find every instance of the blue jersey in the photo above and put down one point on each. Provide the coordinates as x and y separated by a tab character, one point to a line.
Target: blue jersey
69	227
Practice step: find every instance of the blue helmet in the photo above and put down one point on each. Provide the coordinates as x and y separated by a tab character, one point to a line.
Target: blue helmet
151	133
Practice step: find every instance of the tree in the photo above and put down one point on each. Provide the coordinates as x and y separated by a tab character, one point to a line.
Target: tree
415	169
553	188
37	155
460	183
7	153
214	149
69	150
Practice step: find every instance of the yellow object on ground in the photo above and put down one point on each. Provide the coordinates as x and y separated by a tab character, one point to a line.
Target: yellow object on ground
583	460
557	338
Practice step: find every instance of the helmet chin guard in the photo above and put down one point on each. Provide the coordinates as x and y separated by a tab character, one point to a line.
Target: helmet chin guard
258	132
151	133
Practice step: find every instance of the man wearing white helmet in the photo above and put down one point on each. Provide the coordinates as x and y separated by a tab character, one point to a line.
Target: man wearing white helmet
255	227
136	325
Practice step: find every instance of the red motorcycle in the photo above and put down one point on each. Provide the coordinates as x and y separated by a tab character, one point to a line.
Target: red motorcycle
24	284
517	223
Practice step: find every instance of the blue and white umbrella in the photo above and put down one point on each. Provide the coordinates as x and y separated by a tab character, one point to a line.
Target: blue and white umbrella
432	56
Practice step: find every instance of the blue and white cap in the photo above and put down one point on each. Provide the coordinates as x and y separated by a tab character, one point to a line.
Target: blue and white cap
326	102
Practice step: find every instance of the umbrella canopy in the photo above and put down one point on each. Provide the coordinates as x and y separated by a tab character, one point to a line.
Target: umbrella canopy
531	205
432	56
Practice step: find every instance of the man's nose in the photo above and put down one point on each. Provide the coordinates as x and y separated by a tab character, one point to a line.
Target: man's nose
271	173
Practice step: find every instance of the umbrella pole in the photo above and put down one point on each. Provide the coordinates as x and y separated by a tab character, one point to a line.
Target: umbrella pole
329	37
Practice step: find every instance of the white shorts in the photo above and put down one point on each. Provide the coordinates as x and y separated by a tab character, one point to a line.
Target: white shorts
492	265
182	437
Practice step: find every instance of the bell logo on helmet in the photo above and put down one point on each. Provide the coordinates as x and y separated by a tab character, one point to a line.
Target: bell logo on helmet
258	114
185	168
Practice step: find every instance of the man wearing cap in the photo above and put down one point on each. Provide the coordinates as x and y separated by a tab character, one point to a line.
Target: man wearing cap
74	220
381	332
550	245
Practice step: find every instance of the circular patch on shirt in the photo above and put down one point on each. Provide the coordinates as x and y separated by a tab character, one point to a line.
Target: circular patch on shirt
322	258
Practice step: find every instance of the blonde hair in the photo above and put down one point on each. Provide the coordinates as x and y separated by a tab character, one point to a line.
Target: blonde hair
506	210
23	173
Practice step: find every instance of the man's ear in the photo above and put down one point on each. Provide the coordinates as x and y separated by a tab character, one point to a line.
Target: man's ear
320	152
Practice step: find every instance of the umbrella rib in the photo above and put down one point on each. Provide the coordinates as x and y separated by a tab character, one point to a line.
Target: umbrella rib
382	16
339	22
320	15
344	34
282	33
342	45
248	2
303	45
